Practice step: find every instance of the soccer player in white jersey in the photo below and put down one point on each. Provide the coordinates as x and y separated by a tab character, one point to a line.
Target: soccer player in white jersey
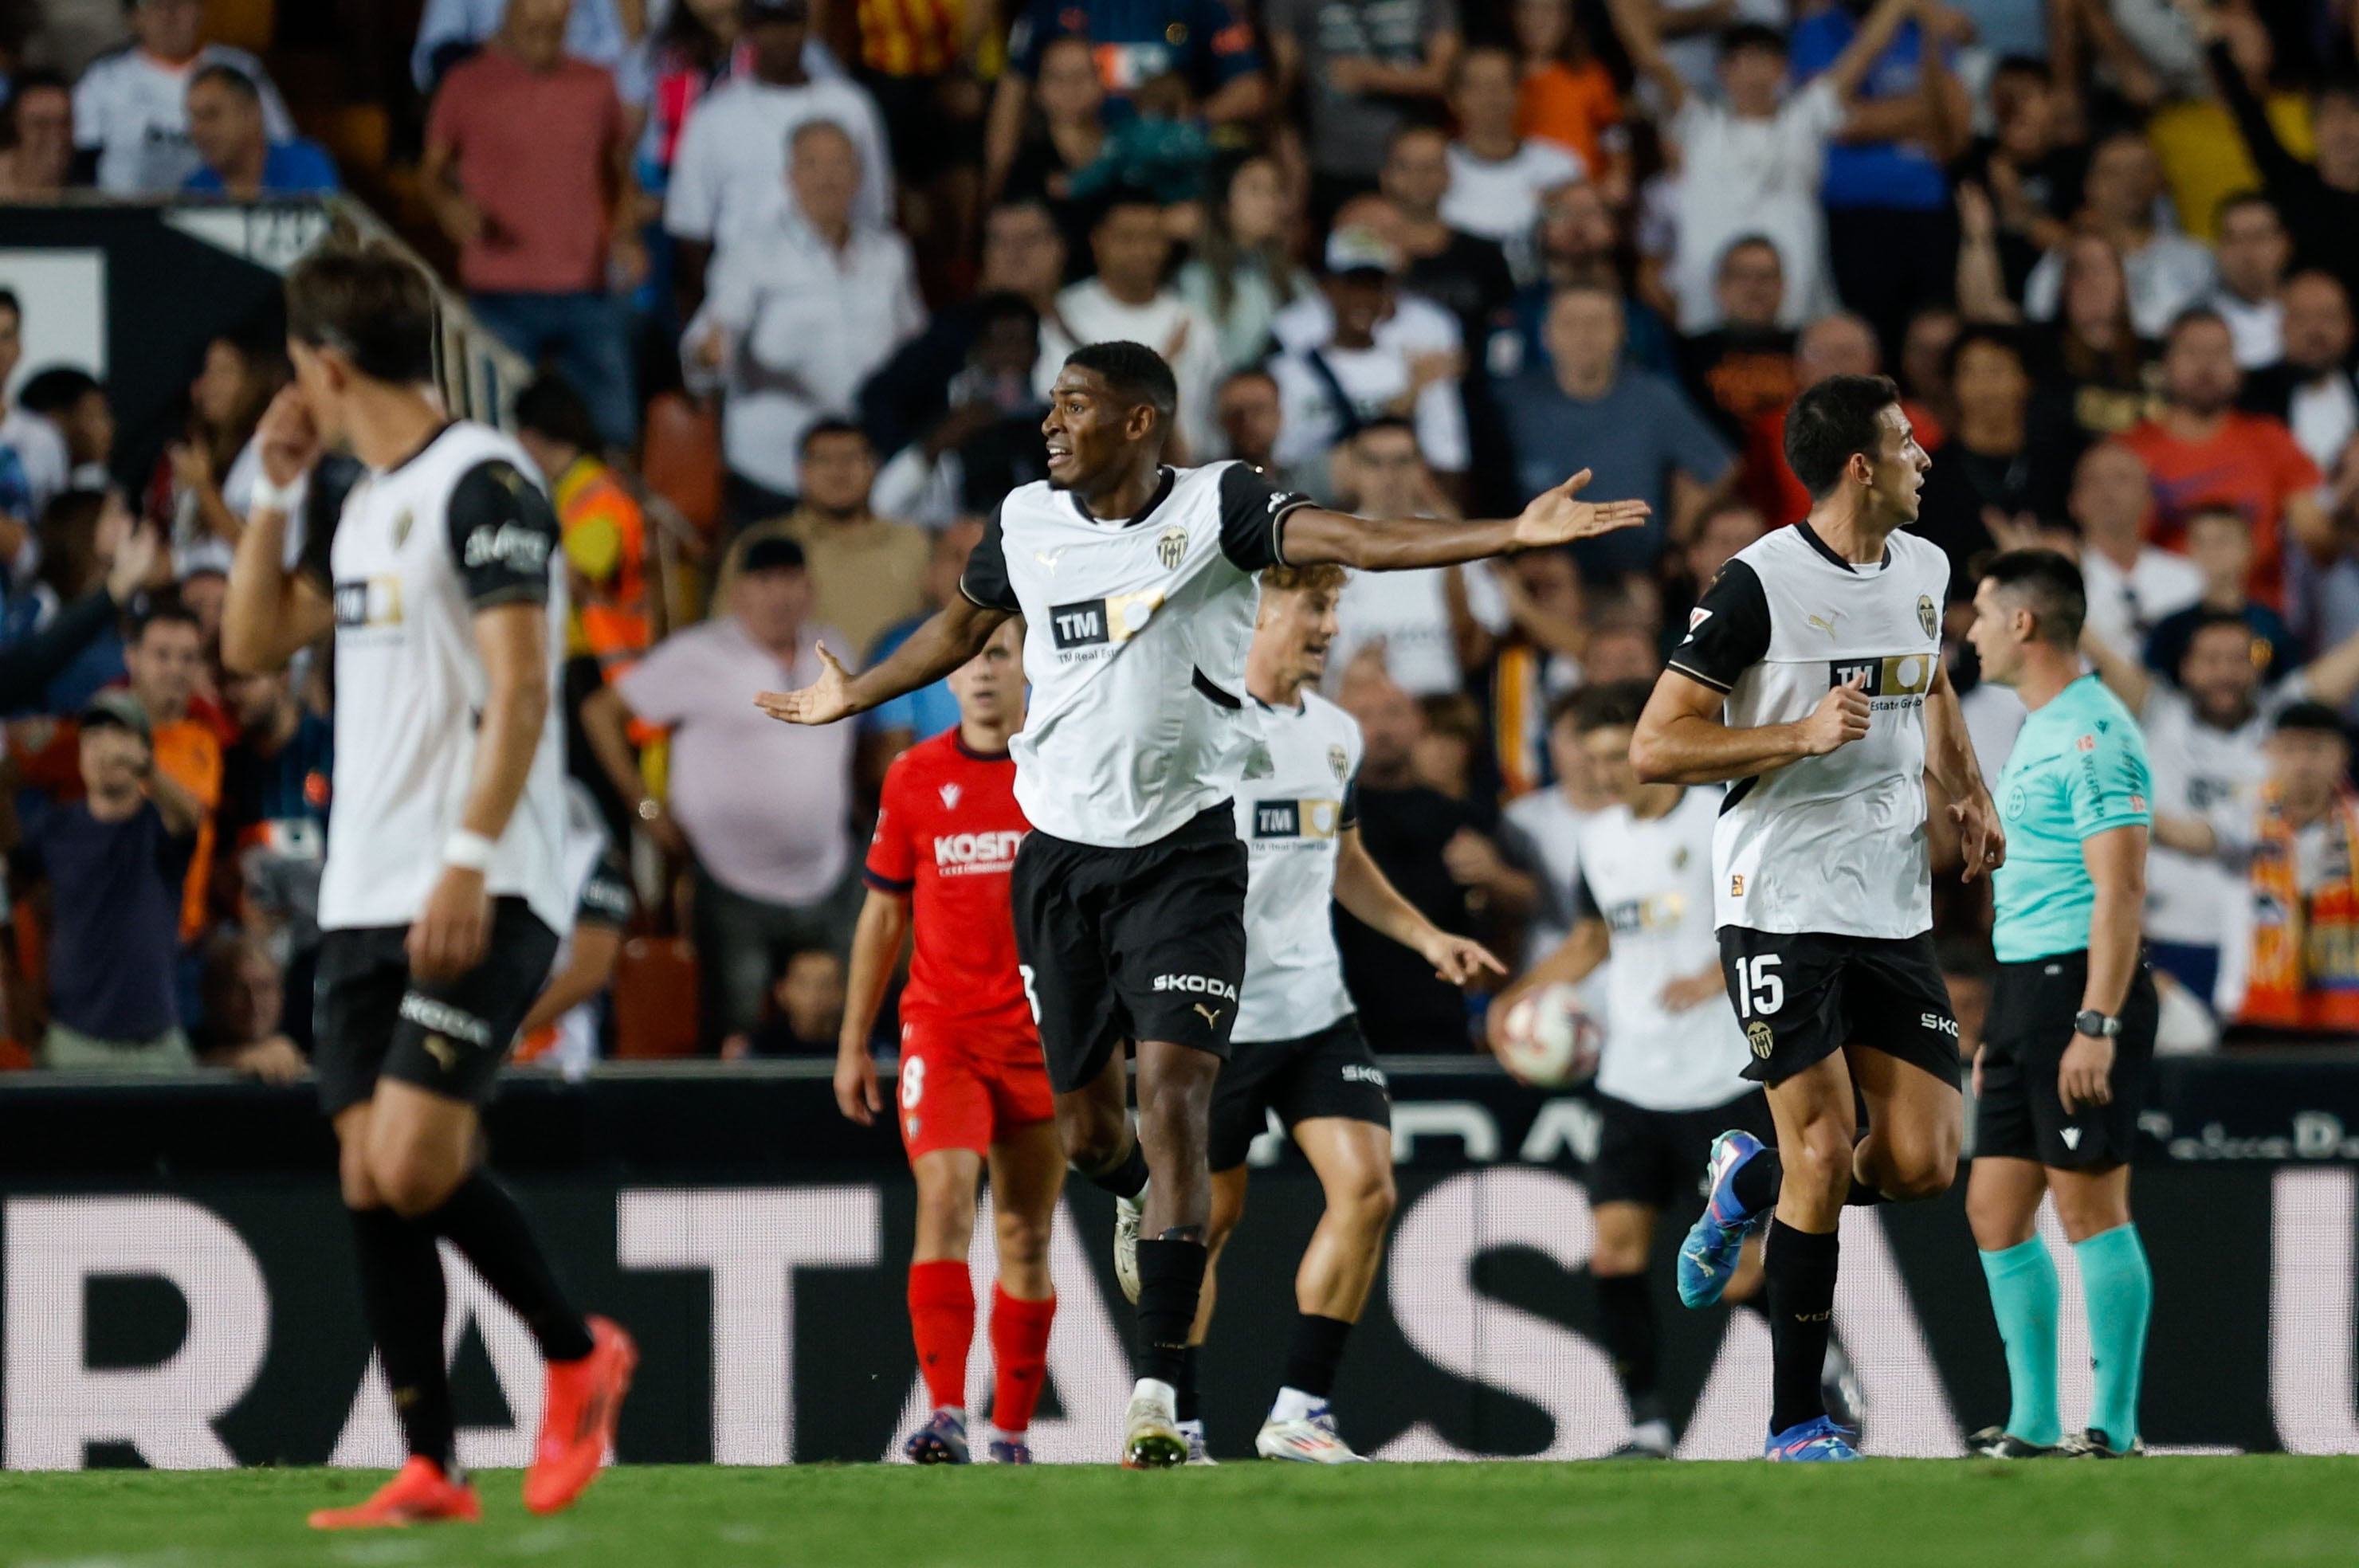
444	890
1298	1047
1139	584
1672	1074
1811	678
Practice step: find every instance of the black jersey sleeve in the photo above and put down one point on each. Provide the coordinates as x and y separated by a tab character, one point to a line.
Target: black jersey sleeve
1728	630
1349	817
1253	518
502	531
984	580
1585	900
333	479
606	896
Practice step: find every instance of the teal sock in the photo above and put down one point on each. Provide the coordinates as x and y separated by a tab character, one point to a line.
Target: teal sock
2120	1292
2024	1297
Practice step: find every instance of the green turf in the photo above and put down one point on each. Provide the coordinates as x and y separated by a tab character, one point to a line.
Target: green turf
1925	1514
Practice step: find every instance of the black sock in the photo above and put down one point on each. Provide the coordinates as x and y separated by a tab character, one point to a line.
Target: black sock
1126	1180
1798	1285
1170	1279
1756	1183
482	1220
1189	1406
402	1292
1625	1313
1317	1351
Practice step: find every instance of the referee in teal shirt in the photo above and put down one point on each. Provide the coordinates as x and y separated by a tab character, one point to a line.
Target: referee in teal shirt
2072	1022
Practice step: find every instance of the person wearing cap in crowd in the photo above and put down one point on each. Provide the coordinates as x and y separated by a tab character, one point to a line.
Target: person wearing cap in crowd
773	870
114	861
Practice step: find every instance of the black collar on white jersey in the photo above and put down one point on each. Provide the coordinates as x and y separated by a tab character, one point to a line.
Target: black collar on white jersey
1162	491
1811	537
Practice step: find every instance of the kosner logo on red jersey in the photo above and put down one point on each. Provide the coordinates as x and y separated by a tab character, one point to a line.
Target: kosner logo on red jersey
976	850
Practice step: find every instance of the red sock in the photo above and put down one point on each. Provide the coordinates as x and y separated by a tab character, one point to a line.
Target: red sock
1020	1358
941	1319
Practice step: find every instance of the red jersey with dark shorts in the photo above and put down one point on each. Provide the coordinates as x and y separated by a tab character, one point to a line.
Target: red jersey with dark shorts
947	833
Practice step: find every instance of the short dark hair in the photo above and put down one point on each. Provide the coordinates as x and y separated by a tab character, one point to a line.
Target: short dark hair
549	406
1751	35
11	304
38	78
2051	588
821	429
229	76
1388	422
1831	422
1133	371
1117	196
1611	704
369	303
2193	316
2024	65
164	609
1990	334
2315	717
2211	620
1003	304
55	389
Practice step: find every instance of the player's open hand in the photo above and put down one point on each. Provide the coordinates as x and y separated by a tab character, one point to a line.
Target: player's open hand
1556	517
1981	839
823	701
1459	960
856	1084
1841	718
451	933
2086	1076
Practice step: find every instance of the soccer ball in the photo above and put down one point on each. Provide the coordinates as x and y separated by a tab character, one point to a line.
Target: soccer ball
1548	1040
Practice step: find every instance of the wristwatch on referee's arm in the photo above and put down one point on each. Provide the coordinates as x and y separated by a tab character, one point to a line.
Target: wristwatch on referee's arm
2096	1025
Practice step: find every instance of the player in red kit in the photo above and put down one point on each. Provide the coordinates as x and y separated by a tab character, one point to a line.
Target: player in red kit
973	1086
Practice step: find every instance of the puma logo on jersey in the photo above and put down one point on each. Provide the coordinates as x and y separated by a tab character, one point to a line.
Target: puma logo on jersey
1825	622
1212	1015
950	793
1049	558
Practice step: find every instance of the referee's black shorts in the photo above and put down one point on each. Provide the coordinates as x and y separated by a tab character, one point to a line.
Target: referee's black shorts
2021	1114
1146	943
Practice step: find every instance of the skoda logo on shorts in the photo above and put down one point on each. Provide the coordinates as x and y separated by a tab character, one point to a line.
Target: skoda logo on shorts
1760	1037
1926	616
1170	546
2015	801
1340	760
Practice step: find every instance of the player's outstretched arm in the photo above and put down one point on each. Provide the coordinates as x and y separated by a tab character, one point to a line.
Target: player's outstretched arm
1314	535
1369	896
877	940
1950	758
951	636
1681	738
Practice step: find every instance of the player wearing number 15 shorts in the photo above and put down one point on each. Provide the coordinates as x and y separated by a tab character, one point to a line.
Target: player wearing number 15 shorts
973	1086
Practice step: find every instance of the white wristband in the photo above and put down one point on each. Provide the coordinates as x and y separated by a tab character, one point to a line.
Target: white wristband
467	851
285	500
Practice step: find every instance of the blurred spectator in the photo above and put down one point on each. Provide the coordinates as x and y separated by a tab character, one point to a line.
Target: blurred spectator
1743	368
114	862
1564	95
131	107
2132	587
769	875
527	168
1127	300
1542	834
609	607
165	660
1695	32
1536	661
1453	756
38	162
274	822
1464	273
1242	272
2203	451
729	170
2094	375
204	591
1891	235
60	637
1063	135
452	31
561	1030
1498	177
33	460
2167	271
867	573
1329	391
1429	625
2318	199
245	1002
239	158
1580	242
805	1015
892	727
1926	349
2028	174
1994	464
2300	846
2253	250
1635	432
687	55
2219	544
798	316
1361	66
2312	388
203	485
74	401
990	441
1252	417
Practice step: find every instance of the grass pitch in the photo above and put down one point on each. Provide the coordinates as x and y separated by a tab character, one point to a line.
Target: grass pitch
1920	1514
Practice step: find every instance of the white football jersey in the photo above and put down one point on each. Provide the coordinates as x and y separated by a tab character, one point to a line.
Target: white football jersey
1542	837
1137	634
1651	882
2216	774
411	554
133	110
1833	844
1290	823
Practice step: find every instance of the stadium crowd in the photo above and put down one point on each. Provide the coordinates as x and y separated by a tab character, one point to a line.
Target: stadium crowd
795	276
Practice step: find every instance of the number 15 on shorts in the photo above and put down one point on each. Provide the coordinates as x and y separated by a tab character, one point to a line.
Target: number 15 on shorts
1760	989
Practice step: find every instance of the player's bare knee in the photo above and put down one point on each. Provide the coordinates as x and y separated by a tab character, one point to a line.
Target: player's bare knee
411	1181
1023	1240
2086	1209
1093	1139
1364	1197
1818	1164
1616	1260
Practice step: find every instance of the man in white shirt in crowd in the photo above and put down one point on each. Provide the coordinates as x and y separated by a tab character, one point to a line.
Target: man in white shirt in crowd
1329	391
2131	585
731	157
1128	301
771	867
2310	387
1498	178
131	107
797	317
2252	251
